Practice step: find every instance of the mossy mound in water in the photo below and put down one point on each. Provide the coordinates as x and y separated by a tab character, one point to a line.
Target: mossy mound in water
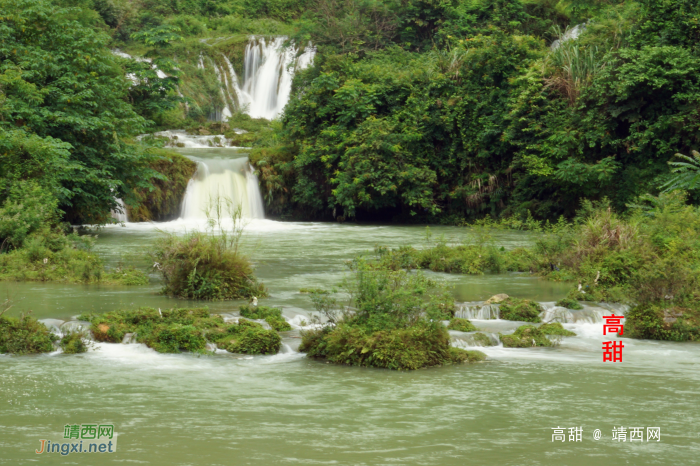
523	310
569	303
526	336
461	325
459	355
555	328
73	343
481	339
176	330
663	322
247	337
271	315
25	335
410	348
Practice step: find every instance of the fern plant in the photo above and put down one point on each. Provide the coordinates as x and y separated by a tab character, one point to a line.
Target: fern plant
686	174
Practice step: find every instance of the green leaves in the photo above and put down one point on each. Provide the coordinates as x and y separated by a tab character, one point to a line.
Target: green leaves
686	174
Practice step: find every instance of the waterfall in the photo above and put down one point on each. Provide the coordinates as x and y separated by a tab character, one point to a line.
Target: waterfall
268	69
222	179
122	216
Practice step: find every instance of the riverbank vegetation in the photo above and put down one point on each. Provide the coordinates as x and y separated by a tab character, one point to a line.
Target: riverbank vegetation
23	334
392	319
177	330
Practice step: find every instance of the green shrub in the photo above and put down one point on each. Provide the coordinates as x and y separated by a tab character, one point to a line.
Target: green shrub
73	343
25	335
523	310
481	339
162	199
208	265
526	336
462	325
663	322
555	328
569	303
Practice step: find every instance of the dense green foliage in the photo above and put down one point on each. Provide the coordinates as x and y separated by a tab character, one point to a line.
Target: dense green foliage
176	330
393	320
162	199
555	328
24	335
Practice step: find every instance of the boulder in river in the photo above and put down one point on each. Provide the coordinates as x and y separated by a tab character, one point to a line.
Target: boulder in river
495	299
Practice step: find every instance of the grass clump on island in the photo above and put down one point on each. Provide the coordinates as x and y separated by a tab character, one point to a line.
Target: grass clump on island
208	264
271	315
528	336
392	319
462	325
34	245
178	330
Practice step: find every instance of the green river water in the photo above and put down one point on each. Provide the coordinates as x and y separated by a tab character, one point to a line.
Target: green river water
227	409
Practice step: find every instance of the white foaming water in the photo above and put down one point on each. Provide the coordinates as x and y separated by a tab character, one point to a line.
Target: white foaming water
477	311
180	138
222	179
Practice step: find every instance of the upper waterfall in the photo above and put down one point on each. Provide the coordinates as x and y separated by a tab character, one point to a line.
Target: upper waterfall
266	84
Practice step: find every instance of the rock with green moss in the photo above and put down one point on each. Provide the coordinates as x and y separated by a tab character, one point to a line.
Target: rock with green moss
481	339
248	337
555	328
271	315
461	325
458	355
402	349
278	324
25	335
569	303
176	330
522	310
526	336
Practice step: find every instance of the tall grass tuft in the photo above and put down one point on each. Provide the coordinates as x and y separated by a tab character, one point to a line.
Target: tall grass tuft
208	264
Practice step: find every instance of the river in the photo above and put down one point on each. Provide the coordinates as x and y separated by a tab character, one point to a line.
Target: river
226	409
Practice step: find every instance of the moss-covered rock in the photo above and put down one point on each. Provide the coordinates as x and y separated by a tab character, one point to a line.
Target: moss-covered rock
403	349
555	328
569	303
526	336
176	330
161	201
481	339
462	325
25	335
458	355
523	310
